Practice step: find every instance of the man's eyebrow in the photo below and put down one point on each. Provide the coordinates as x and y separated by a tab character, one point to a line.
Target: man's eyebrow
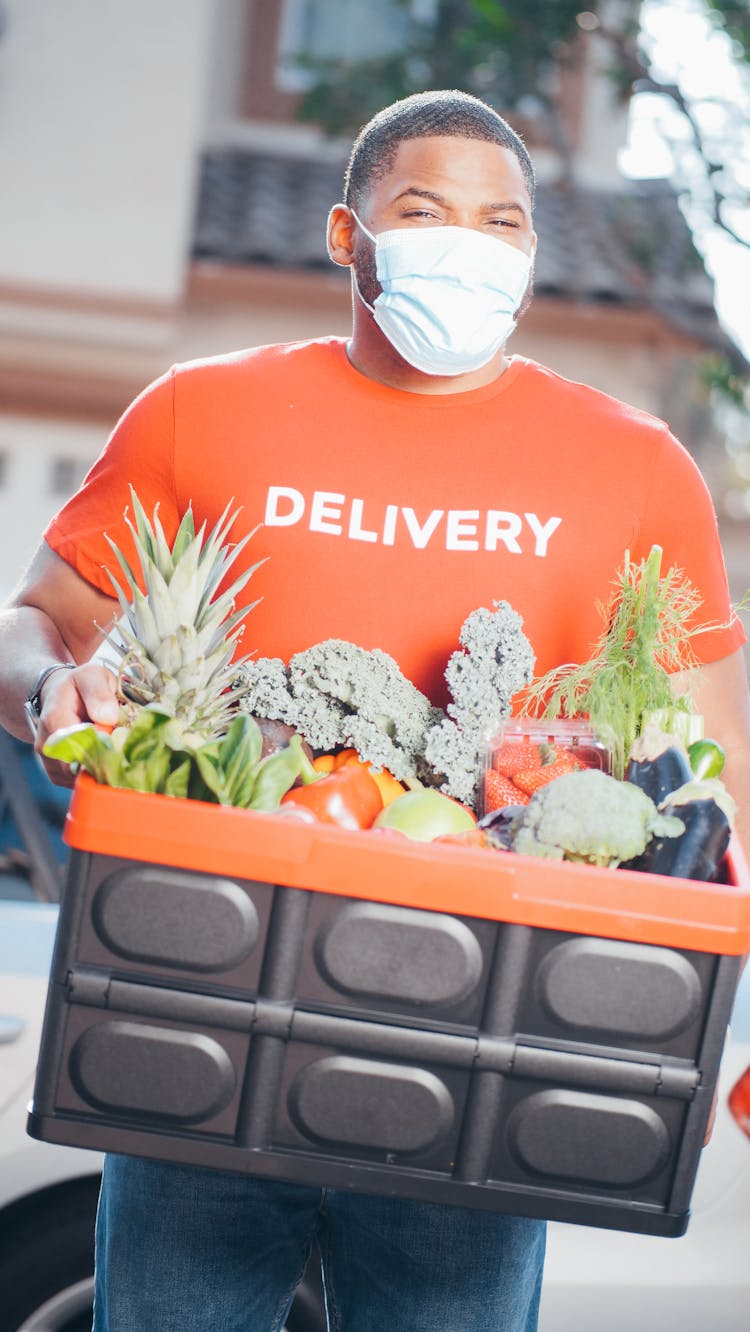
506	206
421	194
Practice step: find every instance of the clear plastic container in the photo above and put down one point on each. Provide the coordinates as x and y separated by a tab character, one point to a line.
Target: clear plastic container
525	754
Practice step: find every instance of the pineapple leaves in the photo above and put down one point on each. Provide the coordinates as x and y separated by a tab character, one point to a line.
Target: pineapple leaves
176	643
178	636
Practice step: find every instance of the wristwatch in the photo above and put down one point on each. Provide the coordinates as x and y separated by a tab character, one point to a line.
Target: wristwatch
33	704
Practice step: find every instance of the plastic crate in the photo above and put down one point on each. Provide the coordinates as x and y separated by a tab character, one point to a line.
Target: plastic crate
243	991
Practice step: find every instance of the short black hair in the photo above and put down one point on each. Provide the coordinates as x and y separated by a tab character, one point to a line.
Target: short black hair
439	112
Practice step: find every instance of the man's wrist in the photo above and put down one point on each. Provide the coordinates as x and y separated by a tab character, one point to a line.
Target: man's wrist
33	704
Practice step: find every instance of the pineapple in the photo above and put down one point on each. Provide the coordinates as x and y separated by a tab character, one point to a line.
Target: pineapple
175	641
180	732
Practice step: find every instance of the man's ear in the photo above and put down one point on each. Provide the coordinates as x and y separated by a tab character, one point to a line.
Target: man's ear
340	235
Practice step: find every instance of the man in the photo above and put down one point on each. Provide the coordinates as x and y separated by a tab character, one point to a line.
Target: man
403	479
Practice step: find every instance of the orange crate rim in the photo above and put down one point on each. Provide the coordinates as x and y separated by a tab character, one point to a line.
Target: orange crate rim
466	881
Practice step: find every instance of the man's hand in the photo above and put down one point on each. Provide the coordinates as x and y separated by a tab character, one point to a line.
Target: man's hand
87	693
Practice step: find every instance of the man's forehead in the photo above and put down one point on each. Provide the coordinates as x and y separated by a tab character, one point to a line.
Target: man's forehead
460	163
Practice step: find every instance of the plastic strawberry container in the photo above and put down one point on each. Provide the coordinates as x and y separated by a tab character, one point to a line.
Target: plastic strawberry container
521	748
241	991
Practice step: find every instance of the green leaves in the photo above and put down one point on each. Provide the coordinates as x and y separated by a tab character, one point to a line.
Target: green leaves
229	771
629	675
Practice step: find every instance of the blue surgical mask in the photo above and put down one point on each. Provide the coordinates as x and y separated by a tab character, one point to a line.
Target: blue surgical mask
450	295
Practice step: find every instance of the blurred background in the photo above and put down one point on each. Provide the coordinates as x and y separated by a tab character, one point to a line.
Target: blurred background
166	170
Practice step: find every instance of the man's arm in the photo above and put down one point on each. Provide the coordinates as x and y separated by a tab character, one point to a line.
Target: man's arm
55	616
720	692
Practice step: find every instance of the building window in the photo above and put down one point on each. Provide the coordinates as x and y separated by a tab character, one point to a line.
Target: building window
326	29
279	32
66	474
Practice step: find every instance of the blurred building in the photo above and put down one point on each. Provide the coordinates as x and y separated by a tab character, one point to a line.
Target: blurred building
160	201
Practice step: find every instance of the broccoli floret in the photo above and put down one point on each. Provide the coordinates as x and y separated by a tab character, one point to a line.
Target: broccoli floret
591	817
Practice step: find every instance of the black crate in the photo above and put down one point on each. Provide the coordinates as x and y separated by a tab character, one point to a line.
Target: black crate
375	1045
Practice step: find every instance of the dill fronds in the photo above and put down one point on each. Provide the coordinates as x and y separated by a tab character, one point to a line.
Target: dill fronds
646	639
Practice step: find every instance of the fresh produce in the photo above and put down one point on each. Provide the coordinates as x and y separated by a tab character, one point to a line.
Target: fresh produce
500	791
706	758
521	768
336	694
706	812
591	817
425	815
386	783
666	771
494	662
339	695
180	733
187	729
497	825
348	797
628	677
177	639
657	765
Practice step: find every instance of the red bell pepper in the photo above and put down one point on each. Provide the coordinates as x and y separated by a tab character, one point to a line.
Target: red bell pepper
349	797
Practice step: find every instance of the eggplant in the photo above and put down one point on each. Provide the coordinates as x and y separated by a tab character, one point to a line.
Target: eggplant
498	825
660	774
707	811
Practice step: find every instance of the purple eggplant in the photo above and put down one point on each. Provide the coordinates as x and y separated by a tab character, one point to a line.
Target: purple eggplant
660	773
498	823
707	811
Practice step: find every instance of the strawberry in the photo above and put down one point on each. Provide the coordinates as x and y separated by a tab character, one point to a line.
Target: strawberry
516	757
512	758
534	778
499	791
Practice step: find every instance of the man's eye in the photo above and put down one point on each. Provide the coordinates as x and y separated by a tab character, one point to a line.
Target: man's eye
504	222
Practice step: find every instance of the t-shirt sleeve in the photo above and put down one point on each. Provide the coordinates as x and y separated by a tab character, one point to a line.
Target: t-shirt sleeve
680	517
139	453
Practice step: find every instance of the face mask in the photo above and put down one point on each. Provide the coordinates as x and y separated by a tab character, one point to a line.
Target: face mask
450	295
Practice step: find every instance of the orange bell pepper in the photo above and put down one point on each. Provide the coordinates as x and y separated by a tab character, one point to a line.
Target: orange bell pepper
390	788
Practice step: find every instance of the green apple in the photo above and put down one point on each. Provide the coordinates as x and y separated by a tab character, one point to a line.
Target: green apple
425	814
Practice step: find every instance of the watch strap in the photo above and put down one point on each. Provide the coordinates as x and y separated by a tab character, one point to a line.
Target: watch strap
33	704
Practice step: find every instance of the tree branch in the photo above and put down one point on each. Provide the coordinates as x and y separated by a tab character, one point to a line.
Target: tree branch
642	80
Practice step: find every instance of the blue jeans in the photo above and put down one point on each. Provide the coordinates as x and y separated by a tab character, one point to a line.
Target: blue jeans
181	1249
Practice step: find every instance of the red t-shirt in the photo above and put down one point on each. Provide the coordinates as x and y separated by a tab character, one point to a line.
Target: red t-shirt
387	516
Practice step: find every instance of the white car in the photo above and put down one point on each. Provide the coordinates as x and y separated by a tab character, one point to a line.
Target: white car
595	1279
606	1279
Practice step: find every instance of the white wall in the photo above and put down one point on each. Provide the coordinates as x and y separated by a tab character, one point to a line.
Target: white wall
29	449
101	109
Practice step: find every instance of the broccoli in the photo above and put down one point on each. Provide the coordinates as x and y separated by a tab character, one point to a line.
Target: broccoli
590	817
337	694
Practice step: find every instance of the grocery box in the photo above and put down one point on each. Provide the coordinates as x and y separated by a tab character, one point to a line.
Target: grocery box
350	1009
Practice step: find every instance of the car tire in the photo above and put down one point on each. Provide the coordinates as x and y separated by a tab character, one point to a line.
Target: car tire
47	1260
47	1265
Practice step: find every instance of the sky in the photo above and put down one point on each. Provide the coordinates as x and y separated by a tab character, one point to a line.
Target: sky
687	48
